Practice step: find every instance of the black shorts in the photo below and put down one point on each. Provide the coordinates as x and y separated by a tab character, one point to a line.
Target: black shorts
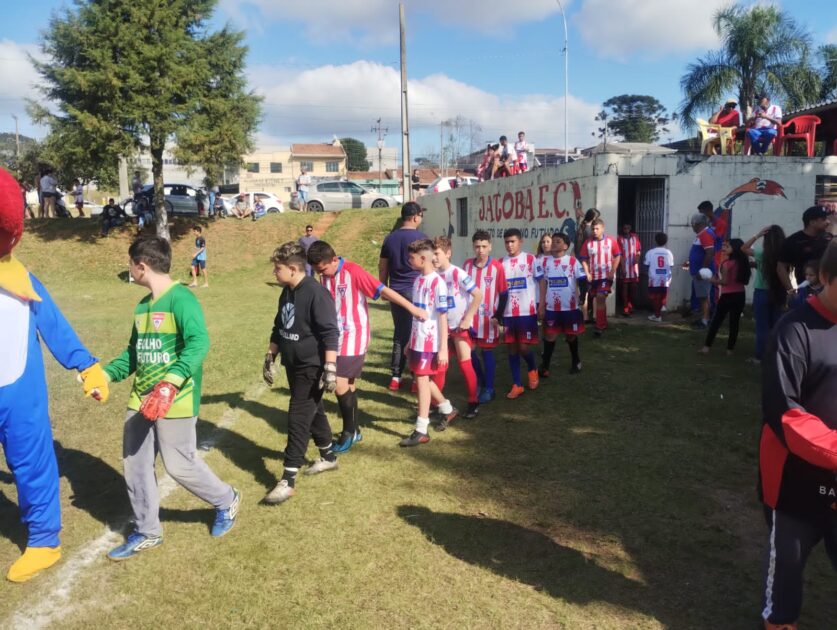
350	367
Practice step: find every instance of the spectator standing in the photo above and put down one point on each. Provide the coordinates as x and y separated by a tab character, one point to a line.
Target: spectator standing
810	286
136	184
302	184
521	148
112	216
199	257
394	270
733	277
306	240
484	170
800	247
78	197
214	191
701	256
769	295
416	183
49	191
764	125
629	269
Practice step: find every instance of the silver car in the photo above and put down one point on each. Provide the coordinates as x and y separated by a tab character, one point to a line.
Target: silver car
177	199
340	195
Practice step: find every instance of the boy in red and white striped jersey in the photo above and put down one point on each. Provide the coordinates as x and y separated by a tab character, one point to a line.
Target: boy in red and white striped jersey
464	298
350	285
428	347
629	269
489	276
600	255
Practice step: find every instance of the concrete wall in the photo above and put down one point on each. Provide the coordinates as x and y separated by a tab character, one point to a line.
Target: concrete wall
759	191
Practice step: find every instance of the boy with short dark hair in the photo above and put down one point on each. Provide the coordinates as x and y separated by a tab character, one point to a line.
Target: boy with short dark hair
428	346
350	285
659	260
520	316
199	257
629	268
305	334
168	345
489	276
600	255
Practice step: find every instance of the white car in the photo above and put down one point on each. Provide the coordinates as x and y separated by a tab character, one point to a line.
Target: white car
271	202
441	184
340	195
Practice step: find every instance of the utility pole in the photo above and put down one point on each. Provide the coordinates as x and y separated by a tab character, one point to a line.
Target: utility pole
17	138
382	132
441	149
566	83
405	125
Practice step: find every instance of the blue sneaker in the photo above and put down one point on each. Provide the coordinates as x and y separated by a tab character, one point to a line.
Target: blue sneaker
136	542
487	395
358	437
344	446
225	519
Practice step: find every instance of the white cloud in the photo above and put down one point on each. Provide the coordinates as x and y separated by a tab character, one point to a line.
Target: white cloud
649	27
831	36
346	100
18	78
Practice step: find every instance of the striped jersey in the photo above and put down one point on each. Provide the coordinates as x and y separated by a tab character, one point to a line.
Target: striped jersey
660	261
350	286
523	272
599	256
459	286
631	250
431	294
561	275
491	280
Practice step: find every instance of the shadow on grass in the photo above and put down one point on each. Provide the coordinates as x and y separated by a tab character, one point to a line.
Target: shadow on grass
241	451
84	230
275	417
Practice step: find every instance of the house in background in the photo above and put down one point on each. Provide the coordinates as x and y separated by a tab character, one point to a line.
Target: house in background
387	184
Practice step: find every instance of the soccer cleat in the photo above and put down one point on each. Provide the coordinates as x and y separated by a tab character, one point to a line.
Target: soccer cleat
281	493
358	437
446	419
575	369
394	384
543	372
487	395
225	519
534	381
321	465
414	439
136	542
515	392
344	444
33	561
654	318
472	411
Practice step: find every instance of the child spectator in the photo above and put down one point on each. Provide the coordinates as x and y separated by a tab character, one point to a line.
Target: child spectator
489	276
600	256
165	399
428	347
808	287
351	285
199	257
305	334
520	316
521	147
659	261
258	209
78	197
733	276
629	269
464	298
559	306
112	216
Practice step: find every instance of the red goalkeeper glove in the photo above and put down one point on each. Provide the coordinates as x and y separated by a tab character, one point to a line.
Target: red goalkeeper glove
157	404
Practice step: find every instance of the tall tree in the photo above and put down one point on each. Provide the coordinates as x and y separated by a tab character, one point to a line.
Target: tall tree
136	74
828	54
763	50
355	154
635	117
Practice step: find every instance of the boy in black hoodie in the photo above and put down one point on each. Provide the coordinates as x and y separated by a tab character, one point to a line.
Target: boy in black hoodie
305	333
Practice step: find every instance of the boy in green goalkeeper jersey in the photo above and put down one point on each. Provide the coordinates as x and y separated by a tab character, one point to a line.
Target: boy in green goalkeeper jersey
168	344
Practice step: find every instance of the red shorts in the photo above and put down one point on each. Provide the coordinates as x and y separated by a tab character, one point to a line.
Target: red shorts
522	329
460	334
629	280
483	343
601	287
423	363
563	322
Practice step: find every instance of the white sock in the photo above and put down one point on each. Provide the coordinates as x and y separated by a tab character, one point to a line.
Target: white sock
445	407
422	424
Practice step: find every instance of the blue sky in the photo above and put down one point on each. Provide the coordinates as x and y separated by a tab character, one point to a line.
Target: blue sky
330	67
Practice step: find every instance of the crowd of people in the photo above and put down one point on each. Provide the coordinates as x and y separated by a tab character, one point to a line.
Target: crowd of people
503	159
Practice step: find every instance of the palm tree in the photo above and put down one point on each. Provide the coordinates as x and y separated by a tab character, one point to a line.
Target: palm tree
828	54
763	51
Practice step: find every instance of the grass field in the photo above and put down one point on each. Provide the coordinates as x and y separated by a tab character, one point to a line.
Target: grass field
623	497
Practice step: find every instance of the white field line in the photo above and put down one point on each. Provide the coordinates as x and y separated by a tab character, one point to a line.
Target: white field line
53	601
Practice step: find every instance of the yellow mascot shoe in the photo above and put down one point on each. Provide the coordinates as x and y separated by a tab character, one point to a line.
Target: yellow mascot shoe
33	561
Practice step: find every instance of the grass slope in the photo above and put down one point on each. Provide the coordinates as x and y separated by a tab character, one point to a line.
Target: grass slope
620	498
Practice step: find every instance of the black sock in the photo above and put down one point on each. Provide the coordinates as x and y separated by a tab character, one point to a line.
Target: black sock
354	411
572	343
326	453
347	405
548	349
289	475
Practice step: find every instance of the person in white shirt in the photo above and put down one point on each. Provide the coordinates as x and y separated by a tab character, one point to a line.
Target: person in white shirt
78	197
49	192
659	261
764	125
521	147
302	184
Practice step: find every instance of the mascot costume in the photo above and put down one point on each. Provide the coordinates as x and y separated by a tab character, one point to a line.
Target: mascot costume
27	316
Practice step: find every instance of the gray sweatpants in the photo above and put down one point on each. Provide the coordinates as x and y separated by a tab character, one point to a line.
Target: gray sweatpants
176	441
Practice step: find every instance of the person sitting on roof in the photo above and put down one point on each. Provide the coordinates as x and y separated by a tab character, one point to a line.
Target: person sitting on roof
727	116
764	125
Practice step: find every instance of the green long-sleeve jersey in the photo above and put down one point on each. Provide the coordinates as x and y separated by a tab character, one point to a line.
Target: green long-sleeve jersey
168	343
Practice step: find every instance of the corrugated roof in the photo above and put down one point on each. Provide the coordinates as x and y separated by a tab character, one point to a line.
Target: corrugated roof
317	150
814	108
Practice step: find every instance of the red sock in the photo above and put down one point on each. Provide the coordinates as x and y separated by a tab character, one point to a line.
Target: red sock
601	316
470	379
439	378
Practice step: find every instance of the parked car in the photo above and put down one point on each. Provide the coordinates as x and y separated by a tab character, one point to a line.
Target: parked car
271	202
339	195
441	184
177	199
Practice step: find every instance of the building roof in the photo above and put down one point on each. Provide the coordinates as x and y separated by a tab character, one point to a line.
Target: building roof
816	108
626	147
325	149
370	175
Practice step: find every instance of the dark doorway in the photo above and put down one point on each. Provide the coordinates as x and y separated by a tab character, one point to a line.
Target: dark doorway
643	203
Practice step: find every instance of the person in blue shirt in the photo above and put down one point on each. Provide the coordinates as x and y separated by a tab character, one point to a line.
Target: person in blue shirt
199	258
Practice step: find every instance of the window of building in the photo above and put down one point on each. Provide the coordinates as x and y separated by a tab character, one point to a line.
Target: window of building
252	167
276	167
462	216
332	167
308	166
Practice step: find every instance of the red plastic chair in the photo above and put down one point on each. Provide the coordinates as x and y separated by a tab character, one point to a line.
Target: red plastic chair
775	143
804	128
